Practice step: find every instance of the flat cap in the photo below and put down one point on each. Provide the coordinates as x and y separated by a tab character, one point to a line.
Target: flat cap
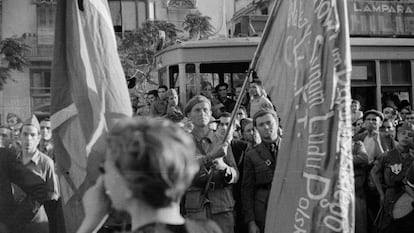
195	100
375	112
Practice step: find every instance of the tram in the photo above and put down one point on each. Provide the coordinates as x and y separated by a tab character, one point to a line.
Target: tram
187	65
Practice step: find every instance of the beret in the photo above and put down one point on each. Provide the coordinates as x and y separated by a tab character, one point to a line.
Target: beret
195	100
375	112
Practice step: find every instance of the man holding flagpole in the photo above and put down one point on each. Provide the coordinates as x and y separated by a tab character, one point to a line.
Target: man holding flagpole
304	64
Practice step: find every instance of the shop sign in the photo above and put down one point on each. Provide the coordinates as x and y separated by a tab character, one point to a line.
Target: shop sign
381	18
39	2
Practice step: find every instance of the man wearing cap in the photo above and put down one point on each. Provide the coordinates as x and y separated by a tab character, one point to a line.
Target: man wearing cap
259	166
391	168
222	91
375	143
210	195
39	164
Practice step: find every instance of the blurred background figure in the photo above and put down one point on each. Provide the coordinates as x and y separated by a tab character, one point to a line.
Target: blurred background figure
148	167
5	136
174	111
356	112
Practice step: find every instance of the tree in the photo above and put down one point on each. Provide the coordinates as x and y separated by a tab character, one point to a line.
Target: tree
13	57
198	26
137	49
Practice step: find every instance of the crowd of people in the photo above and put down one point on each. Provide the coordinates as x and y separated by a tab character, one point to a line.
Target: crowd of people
383	157
175	169
29	186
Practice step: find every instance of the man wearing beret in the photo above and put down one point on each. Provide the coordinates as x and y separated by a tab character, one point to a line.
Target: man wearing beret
210	195
389	172
376	143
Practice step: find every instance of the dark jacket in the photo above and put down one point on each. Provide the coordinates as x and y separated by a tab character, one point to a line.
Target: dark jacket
259	167
219	195
11	171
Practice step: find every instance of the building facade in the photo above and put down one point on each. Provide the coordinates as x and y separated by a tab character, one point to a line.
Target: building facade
30	90
382	46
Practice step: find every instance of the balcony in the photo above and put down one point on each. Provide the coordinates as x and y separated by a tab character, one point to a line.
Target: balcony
40	47
381	18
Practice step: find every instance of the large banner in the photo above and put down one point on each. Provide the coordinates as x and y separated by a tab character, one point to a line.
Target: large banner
89	93
381	18
305	66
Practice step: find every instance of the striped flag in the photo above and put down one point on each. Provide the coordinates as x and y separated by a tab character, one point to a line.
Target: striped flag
89	93
305	66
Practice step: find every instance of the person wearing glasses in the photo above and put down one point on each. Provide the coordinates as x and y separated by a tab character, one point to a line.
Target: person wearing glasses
389	172
149	165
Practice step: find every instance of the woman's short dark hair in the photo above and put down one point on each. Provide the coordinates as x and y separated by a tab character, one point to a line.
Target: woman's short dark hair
156	158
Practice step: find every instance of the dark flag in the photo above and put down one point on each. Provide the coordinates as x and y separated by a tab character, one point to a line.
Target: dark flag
305	66
89	93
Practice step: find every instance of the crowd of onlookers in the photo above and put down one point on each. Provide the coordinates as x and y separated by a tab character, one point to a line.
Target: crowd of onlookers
232	185
384	175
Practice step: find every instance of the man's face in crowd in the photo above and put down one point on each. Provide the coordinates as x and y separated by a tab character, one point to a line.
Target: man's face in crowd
151	99
389	128
222	91
410	118
354	106
173	100
241	114
200	114
405	137
30	138
5	137
206	91
45	130
372	122
389	113
254	90
161	92
251	134
223	125
268	127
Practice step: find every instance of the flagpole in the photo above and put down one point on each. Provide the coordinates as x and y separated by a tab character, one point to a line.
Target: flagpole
251	66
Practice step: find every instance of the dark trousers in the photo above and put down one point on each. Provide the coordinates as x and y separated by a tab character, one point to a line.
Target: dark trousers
52	212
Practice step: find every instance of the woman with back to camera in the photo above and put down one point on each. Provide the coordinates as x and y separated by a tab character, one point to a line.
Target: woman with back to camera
149	165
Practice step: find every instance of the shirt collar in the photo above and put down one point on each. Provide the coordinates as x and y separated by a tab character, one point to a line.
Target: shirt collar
35	158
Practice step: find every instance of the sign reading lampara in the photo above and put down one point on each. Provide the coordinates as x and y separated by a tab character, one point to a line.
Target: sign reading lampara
39	2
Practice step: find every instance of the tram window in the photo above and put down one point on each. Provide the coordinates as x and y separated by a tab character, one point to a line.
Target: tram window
395	72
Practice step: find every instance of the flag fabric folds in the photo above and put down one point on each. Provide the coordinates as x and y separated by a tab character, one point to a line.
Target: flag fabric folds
89	93
305	66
